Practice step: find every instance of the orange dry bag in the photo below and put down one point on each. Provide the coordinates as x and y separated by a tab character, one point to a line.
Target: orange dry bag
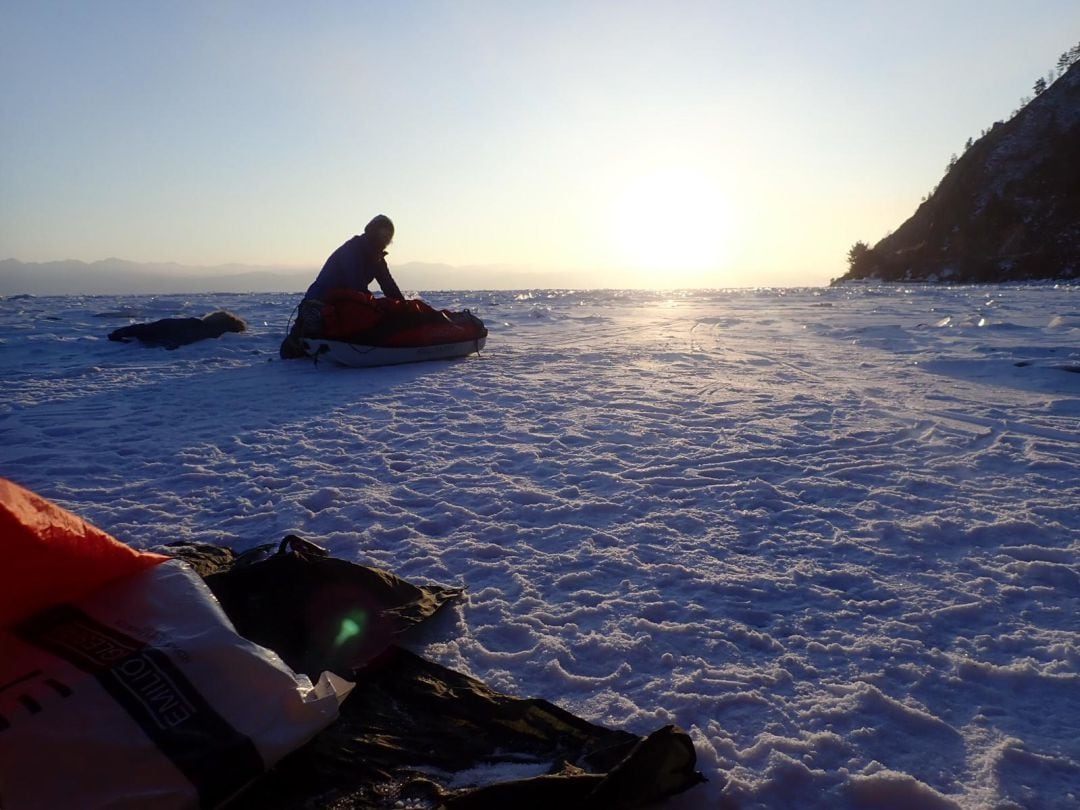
52	556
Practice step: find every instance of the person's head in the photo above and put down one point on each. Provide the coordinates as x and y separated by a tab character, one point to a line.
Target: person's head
380	230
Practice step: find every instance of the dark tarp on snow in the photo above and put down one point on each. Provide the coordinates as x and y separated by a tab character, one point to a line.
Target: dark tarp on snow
173	333
410	724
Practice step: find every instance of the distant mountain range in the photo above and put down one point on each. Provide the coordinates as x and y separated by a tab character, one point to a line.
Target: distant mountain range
1008	209
118	276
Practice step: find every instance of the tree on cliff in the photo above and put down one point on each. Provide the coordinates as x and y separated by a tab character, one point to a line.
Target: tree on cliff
860	259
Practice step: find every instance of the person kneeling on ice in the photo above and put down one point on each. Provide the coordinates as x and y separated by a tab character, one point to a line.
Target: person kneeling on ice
353	266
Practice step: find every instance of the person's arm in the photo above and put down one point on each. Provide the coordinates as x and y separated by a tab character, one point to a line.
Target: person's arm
386	281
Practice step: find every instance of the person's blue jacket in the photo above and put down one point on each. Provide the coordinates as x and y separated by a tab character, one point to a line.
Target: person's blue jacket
353	266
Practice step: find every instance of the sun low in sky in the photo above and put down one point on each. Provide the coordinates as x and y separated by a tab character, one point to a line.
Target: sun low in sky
677	219
594	143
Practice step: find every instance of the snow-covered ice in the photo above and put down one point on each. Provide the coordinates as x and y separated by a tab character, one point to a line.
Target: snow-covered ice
833	533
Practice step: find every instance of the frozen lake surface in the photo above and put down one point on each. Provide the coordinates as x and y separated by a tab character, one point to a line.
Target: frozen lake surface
832	533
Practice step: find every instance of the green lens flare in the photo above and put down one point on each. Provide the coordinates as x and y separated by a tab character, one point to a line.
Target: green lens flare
351	626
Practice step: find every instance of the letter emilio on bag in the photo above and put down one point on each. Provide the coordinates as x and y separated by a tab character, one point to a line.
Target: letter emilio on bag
140	694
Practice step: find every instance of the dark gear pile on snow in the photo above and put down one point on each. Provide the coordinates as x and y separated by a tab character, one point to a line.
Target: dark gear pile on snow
317	612
411	728
175	332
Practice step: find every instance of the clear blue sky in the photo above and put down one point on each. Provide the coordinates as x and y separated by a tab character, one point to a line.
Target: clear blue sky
643	143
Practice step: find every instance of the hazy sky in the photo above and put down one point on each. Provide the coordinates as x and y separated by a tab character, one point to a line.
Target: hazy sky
646	144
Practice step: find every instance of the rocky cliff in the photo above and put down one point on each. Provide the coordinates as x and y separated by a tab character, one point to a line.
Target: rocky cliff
1007	210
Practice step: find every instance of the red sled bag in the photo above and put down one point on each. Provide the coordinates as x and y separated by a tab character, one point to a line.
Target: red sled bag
360	317
140	693
347	313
